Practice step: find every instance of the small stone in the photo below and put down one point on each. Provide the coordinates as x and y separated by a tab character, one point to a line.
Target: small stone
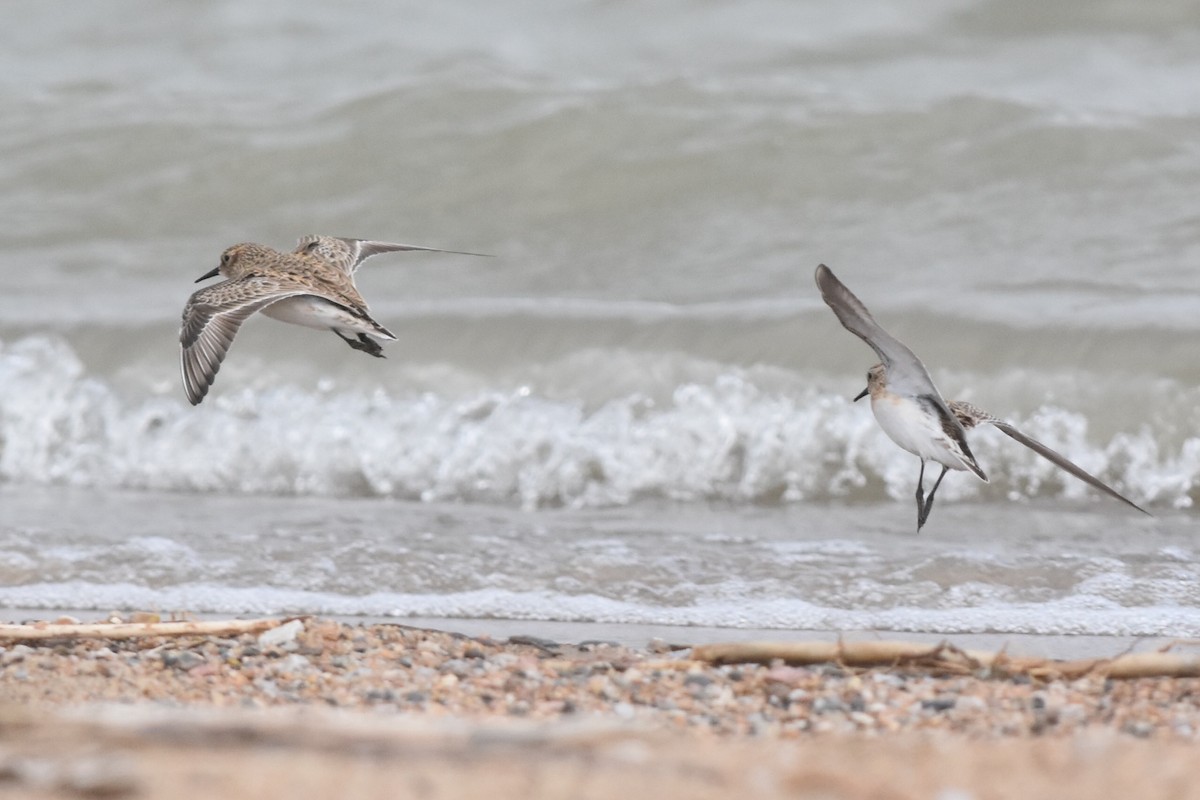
968	705
943	703
889	679
545	645
182	660
291	665
1072	714
1142	730
457	667
15	654
502	660
826	705
862	720
284	634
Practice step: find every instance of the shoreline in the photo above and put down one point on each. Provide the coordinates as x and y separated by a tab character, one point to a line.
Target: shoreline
302	705
639	635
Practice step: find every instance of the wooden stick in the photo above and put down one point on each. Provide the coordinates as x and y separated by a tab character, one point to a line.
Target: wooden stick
133	630
945	657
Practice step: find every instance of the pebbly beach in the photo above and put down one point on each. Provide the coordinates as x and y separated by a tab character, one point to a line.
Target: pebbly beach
143	715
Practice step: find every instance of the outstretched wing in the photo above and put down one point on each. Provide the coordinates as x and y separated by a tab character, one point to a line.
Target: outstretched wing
348	254
211	319
969	416
905	372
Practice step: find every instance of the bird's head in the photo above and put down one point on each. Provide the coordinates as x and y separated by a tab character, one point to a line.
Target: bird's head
876	381
236	261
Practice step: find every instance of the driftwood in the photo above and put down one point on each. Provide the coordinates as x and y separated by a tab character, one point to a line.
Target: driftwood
133	630
947	658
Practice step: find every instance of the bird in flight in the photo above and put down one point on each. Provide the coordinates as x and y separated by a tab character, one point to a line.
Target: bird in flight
312	286
913	413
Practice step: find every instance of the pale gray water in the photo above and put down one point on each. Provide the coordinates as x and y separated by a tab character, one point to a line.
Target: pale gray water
639	410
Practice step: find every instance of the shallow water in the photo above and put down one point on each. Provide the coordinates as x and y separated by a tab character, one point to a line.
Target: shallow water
639	409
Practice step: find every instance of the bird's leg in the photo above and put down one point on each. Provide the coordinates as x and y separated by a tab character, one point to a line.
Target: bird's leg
364	343
924	513
921	496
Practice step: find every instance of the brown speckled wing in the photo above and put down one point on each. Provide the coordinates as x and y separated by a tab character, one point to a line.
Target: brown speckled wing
211	319
969	415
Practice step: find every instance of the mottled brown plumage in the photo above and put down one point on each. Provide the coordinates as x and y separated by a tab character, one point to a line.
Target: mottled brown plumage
312	286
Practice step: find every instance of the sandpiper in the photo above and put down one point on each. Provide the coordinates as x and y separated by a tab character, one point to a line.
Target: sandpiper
911	410
311	286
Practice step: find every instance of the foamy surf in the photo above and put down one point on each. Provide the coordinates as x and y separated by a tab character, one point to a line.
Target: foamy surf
1076	616
727	439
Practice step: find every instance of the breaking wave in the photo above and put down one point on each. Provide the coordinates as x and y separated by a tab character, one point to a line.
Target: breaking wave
727	439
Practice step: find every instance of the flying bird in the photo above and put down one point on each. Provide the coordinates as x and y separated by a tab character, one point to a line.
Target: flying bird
913	413
311	286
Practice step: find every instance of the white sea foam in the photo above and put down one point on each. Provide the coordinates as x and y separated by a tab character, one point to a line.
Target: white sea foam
1076	615
727	439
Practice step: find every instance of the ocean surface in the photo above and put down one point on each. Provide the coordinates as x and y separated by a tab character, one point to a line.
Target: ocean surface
639	410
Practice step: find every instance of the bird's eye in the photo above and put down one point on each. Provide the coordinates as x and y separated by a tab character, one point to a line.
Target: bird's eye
224	258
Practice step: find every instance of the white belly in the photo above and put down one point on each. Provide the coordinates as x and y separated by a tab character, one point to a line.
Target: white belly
906	423
314	312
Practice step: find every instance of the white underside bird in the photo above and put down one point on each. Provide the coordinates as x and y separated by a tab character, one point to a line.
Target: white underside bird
911	410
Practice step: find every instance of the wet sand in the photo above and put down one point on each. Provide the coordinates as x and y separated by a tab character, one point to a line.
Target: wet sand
322	708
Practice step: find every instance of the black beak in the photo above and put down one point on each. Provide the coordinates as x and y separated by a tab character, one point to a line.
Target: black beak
863	394
212	274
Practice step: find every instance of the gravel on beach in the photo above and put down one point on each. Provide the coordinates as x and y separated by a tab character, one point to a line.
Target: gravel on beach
393	669
319	708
